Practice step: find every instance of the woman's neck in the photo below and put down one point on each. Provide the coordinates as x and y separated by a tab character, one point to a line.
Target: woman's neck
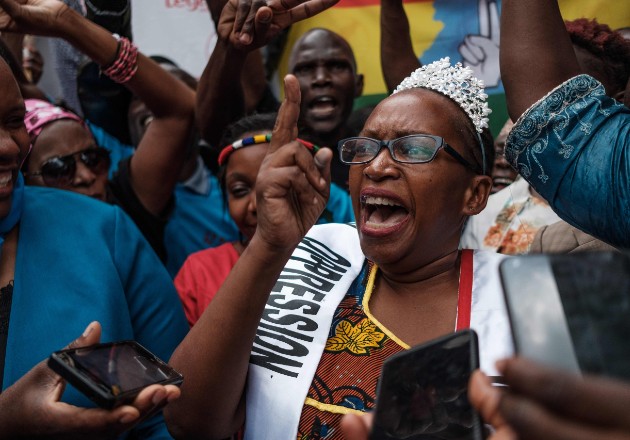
435	272
420	305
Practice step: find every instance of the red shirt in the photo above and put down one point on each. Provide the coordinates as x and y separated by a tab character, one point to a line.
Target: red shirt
201	276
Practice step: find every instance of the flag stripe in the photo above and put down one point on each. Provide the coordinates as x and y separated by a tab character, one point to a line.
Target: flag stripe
361	3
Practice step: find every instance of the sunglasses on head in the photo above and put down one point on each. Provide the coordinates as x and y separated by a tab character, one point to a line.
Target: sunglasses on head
59	171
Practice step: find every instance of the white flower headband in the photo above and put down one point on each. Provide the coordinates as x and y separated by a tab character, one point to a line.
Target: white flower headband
459	84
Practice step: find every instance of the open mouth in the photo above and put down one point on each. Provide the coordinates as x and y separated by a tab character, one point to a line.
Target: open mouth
502	181
382	213
322	106
6	177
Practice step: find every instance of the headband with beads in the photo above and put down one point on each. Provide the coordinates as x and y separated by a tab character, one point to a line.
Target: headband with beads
253	140
458	83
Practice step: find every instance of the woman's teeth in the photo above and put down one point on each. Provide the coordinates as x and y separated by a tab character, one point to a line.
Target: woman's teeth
5	178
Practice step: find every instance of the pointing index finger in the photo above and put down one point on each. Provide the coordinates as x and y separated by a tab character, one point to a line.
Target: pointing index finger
292	11
285	129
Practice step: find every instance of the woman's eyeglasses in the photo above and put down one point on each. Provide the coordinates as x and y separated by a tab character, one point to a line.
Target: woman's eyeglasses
59	171
416	148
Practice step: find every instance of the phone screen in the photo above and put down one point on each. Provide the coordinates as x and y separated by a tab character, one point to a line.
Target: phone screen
120	367
595	293
112	373
571	311
423	393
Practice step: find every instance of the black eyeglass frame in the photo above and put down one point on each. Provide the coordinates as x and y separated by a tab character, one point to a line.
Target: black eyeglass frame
389	144
102	153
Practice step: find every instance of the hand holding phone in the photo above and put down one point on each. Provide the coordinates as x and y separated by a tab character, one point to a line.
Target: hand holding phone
422	393
114	373
32	405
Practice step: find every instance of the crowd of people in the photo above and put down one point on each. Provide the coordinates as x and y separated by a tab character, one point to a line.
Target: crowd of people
276	254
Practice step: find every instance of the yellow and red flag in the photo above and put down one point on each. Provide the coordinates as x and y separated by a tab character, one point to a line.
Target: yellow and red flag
464	30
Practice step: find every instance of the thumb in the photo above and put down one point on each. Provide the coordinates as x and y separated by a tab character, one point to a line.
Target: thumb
356	427
56	384
91	335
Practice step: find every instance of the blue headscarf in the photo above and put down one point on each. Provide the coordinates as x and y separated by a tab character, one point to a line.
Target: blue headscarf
17	202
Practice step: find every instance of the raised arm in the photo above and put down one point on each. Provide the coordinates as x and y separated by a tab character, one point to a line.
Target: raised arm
398	59
536	53
160	155
219	93
221	99
243	27
291	192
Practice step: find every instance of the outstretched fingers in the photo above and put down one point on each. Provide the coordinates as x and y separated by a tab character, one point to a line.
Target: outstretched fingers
8	10
292	11
262	20
245	20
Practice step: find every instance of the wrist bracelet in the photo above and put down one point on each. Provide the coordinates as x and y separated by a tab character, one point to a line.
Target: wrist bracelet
125	65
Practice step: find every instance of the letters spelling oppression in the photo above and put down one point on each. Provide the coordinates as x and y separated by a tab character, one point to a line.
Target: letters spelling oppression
290	316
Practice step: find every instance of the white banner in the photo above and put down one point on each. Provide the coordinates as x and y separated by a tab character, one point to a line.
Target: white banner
181	30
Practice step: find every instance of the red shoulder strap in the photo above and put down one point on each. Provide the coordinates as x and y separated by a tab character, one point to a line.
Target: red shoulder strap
464	301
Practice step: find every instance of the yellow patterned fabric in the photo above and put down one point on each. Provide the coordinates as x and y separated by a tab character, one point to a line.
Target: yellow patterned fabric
347	375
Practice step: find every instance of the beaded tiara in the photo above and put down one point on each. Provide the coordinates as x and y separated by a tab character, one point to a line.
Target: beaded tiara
456	82
253	140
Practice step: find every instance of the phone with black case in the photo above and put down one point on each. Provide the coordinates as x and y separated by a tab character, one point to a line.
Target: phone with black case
571	311
114	373
423	392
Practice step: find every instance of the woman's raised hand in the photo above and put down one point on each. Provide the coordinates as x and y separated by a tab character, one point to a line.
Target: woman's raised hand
250	24
293	185
36	17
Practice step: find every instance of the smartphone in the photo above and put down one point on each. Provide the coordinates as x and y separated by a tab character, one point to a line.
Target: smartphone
423	392
112	374
571	311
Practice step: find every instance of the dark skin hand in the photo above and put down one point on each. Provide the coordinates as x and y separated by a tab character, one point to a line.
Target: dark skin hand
256	29
253	81
292	189
356	427
30	408
544	403
239	36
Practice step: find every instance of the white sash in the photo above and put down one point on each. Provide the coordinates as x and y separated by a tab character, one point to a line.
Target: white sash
294	328
489	316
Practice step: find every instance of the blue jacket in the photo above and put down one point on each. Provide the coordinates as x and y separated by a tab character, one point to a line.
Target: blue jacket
80	260
573	147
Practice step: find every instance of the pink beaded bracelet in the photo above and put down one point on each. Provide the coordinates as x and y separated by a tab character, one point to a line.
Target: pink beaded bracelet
125	66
